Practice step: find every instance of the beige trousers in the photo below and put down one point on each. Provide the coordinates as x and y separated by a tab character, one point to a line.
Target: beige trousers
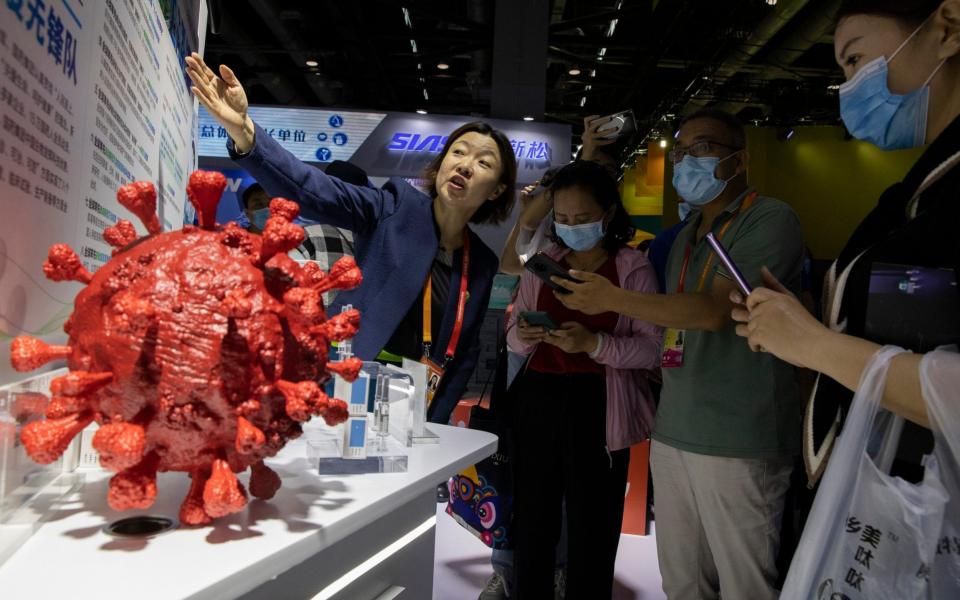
718	523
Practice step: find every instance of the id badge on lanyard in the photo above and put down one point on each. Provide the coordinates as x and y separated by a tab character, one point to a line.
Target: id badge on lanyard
673	339
435	372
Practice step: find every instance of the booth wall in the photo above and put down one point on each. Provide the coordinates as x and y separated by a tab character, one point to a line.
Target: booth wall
832	183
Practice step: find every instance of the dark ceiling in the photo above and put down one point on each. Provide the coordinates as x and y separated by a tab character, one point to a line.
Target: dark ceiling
662	58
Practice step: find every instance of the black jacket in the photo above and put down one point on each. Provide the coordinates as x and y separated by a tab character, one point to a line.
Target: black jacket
896	231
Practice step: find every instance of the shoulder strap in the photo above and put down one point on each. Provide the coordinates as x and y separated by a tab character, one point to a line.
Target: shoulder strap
931	179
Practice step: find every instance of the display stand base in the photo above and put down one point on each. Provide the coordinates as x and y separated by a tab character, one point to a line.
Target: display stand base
384	454
427	437
18	525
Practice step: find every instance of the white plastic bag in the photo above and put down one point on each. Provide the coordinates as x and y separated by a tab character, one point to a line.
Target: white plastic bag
869	536
940	382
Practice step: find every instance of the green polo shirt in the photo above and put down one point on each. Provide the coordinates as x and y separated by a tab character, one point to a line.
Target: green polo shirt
727	400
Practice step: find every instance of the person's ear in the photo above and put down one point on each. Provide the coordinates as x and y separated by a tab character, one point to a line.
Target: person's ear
497	192
946	23
608	216
743	160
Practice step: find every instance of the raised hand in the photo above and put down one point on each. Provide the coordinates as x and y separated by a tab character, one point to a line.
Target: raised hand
593	139
224	99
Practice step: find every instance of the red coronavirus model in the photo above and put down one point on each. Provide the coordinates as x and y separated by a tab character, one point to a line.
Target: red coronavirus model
199	350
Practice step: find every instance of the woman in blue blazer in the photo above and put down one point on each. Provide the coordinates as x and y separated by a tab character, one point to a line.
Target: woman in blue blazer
403	237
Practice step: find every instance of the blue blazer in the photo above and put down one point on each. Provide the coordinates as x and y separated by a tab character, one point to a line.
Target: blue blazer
395	241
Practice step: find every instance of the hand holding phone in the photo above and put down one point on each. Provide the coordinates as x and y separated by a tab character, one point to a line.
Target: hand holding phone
729	264
545	267
617	125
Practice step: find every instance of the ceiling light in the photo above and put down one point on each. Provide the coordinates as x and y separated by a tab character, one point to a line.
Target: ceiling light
443	66
426	96
772	2
420	111
528	118
663	143
612	27
574	71
406	17
312	63
583	101
413	46
833	87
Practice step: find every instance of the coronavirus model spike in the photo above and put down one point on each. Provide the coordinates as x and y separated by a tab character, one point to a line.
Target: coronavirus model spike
200	350
140	198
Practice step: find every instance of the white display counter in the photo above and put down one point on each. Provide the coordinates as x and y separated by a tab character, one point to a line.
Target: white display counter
321	536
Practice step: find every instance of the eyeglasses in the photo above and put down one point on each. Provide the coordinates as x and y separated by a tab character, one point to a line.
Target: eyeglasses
697	150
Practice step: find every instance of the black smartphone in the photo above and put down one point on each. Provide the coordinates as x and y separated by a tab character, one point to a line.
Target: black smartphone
538	319
545	181
545	267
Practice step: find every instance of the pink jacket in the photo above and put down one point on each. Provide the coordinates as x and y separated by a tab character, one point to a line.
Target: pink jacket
633	349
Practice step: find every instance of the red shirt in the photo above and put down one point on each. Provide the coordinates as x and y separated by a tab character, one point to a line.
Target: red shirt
547	358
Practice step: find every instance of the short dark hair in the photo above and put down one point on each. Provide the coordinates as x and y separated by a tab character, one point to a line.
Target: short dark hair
594	179
735	130
245	197
909	12
496	210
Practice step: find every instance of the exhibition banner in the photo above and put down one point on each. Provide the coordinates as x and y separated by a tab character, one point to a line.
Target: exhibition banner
390	144
92	96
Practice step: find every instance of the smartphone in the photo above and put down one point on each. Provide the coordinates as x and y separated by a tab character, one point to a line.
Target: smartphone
729	264
545	267
545	181
621	124
538	319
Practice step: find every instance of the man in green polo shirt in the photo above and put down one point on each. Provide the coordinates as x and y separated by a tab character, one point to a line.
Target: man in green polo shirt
728	424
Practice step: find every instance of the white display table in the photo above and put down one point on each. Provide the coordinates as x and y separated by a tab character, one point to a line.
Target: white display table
321	536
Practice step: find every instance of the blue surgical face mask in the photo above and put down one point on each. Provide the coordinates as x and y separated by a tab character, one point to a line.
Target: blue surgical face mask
259	218
581	237
684	210
874	114
695	180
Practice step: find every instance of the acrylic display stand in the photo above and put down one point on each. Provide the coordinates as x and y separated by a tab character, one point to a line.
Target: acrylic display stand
28	490
416	424
325	451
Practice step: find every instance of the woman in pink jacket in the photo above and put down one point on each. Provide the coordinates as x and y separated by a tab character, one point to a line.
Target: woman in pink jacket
583	398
